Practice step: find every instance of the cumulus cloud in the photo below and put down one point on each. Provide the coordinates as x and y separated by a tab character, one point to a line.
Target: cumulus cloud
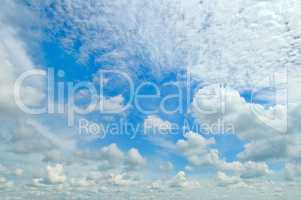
134	158
5	183
263	128
212	38
181	180
198	152
252	170
55	174
111	157
122	180
250	121
263	150
194	147
112	153
225	180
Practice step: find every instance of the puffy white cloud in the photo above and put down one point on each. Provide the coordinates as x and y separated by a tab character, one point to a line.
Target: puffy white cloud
252	170
250	121
198	152
37	182
110	153
225	180
181	180
5	183
111	158
134	158
122	180
55	174
248	171
195	147
263	150
166	34
263	128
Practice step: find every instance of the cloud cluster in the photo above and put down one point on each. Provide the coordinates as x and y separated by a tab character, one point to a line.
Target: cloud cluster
264	128
240	42
198	152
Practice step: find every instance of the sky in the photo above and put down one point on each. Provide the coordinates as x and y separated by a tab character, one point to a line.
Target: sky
162	99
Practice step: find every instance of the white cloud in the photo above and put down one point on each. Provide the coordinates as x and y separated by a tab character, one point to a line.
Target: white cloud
244	42
121	180
167	35
55	174
198	152
181	180
225	180
19	172
263	128
37	182
194	147
252	170
104	104
112	153
112	104
158	32
263	150
154	125
292	170
14	60
83	183
166	167
134	158
5	183
250	121
111	158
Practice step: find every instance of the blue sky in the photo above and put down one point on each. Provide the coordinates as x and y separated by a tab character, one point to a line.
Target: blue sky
228	145
226	69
